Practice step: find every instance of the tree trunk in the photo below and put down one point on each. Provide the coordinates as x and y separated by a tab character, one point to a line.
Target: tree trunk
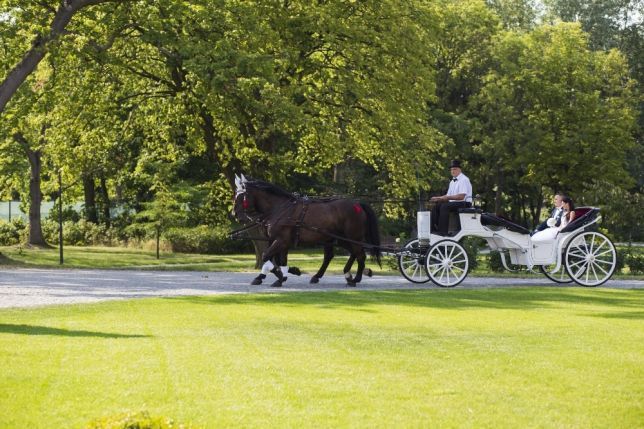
89	189
106	202
39	47
158	240
498	198
36	237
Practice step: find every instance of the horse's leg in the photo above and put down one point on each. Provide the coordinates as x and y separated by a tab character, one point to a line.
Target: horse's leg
328	255
362	256
347	270
281	269
267	258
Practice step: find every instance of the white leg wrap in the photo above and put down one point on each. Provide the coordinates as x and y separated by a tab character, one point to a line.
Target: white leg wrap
284	271
267	267
347	275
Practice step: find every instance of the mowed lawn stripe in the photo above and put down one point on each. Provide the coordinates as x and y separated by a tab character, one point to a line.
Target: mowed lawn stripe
496	357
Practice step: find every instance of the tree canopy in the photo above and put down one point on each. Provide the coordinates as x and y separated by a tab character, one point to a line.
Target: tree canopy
366	98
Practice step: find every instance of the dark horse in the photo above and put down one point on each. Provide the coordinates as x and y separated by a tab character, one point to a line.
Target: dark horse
290	220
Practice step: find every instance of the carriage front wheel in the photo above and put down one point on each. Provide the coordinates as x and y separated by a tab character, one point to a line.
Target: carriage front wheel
590	259
447	263
411	262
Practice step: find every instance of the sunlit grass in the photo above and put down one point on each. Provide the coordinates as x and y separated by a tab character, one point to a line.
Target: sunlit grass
433	358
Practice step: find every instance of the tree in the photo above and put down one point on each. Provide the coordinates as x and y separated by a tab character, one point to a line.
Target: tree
555	114
43	38
166	210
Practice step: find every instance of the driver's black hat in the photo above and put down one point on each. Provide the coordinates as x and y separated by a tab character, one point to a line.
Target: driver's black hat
455	164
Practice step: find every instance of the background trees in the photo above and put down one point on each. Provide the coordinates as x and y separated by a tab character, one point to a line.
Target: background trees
364	98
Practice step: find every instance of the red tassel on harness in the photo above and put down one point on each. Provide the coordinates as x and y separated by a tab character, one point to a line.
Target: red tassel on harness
245	203
357	208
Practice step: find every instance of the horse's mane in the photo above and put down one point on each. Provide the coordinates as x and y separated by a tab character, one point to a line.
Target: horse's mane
276	190
270	188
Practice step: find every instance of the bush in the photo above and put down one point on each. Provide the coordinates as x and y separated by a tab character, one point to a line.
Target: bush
11	232
472	246
636	263
141	420
81	233
205	239
620	259
496	265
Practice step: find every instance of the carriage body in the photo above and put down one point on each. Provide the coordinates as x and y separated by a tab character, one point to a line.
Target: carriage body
577	253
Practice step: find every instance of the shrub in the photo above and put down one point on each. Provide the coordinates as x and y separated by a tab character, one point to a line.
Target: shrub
11	232
620	259
141	420
472	246
496	265
205	239
81	233
635	263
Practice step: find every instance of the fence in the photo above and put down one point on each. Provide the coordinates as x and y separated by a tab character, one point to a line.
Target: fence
11	210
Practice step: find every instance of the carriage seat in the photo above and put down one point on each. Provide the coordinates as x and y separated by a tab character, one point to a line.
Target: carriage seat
489	219
583	216
470	210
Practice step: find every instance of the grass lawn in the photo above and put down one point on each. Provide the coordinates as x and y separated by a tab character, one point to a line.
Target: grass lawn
526	357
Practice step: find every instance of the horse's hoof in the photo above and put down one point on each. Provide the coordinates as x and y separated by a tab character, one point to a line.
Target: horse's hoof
295	271
314	280
258	280
277	283
368	272
351	284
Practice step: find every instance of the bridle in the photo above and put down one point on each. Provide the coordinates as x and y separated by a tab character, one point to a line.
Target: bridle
253	215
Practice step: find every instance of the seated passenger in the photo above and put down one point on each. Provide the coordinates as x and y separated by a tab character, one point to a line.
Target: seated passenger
555	214
459	195
553	229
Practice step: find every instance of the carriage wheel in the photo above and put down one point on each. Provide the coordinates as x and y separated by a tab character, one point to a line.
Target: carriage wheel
411	262
558	276
447	263
590	259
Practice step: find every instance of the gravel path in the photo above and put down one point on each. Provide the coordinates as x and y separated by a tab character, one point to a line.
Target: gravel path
36	287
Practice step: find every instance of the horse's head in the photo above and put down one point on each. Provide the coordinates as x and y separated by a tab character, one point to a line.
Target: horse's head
243	202
255	199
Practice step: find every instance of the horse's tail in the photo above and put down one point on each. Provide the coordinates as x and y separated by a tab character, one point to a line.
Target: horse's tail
372	236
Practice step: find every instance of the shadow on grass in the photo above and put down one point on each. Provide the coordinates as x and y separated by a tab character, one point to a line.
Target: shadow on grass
45	330
5	260
514	299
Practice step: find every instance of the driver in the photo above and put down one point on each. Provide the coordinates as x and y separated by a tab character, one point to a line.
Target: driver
458	196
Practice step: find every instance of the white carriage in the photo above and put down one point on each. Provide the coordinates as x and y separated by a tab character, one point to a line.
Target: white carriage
578	253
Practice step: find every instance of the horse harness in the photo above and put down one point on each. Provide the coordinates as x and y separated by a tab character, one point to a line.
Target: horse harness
298	224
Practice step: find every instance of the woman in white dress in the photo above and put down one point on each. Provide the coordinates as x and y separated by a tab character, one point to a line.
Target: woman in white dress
551	232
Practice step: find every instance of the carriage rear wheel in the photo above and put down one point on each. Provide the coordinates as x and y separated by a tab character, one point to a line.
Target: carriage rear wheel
590	259
559	275
411	262
447	263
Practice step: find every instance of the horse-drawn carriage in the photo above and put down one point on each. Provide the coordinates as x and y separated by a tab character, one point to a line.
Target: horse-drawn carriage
578	253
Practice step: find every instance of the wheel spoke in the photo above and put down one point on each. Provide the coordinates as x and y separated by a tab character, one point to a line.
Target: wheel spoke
598	266
604	252
581	261
580	271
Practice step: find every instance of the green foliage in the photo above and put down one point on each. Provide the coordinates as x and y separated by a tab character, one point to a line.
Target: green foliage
495	264
349	97
472	245
620	259
635	263
140	420
205	239
11	232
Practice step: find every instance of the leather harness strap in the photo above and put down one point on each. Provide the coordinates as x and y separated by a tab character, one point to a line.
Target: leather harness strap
300	221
